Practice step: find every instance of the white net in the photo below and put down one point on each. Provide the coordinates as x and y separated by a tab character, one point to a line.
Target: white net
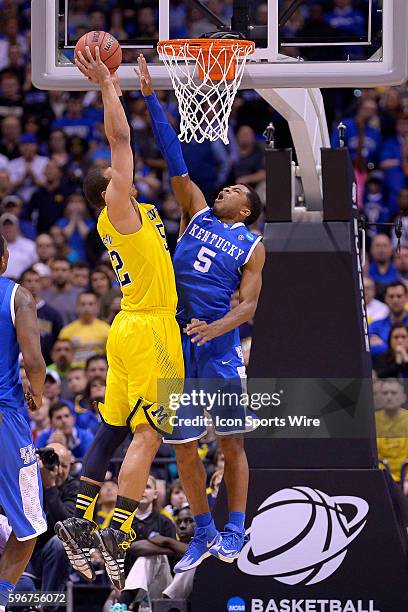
205	78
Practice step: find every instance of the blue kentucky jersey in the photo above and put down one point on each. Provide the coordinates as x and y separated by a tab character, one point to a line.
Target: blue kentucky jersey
11	390
207	263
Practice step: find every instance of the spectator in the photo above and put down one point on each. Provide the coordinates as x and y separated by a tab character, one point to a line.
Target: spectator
363	136
74	122
106	503
86	405
10	137
374	205
80	275
14	205
52	386
346	19
96	367
394	362
61	419
28	171
392	427
47	202
176	499
62	295
375	309
5	186
49	320
64	251
401	262
391	157
39	419
395	298
49	568
11	100
76	383
88	334
381	269
62	354
249	168
402	214
212	491
57	148
143	559
22	250
76	224
45	249
101	283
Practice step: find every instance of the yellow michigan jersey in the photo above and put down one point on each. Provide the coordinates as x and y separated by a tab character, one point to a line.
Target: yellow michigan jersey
144	347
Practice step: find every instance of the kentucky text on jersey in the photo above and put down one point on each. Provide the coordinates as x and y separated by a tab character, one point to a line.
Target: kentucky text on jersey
207	262
217	241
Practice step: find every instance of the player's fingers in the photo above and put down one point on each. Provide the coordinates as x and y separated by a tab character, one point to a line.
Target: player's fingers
81	59
89	55
97	56
82	68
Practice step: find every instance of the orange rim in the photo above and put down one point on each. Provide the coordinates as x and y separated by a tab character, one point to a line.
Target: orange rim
195	45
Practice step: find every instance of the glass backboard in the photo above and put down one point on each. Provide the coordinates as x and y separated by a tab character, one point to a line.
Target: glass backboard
299	43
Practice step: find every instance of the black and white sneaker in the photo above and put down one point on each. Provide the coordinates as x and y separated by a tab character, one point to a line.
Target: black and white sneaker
76	534
113	545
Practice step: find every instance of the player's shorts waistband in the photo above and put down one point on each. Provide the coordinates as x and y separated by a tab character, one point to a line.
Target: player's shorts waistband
153	312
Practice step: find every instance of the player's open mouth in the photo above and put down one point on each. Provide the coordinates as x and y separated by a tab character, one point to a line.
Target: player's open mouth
220	196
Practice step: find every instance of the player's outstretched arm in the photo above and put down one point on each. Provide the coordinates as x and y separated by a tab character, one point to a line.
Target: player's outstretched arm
28	336
188	194
121	212
249	290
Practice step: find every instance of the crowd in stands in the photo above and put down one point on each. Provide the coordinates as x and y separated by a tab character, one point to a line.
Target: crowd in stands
48	141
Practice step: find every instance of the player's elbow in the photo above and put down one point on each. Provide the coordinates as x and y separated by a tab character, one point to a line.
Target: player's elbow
120	137
34	363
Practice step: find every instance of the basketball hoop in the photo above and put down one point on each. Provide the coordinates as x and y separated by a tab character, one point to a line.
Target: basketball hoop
206	74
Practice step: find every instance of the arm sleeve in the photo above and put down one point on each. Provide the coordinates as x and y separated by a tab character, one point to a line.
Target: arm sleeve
166	137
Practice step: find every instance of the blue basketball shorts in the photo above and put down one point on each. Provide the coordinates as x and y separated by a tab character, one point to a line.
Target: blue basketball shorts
20	478
215	381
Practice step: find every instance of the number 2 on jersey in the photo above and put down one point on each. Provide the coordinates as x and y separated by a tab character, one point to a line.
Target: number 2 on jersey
203	261
118	264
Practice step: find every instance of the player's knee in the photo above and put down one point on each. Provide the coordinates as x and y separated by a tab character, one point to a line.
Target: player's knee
185	453
147	438
232	445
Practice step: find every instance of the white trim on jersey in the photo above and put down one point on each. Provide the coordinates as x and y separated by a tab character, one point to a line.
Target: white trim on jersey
251	250
200	212
12	304
237	225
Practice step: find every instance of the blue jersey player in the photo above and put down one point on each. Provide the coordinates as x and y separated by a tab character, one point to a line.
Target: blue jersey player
20	481
214	255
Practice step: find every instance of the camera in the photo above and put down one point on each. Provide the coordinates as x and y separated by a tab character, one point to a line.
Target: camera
49	457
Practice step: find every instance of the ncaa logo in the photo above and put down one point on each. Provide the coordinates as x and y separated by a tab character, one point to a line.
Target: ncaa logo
236	604
301	535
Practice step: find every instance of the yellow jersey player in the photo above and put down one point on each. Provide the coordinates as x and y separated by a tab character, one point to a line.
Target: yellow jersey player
143	346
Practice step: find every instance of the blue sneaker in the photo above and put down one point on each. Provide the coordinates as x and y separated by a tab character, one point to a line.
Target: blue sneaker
197	551
230	545
118	607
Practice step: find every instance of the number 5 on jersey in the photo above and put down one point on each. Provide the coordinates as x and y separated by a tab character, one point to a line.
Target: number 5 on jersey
203	261
117	263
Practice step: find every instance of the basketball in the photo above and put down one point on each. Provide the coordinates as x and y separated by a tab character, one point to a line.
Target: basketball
109	48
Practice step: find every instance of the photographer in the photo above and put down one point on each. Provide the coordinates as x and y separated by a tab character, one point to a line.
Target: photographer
49	568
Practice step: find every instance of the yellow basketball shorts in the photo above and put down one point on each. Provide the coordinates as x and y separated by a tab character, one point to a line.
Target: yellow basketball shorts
145	365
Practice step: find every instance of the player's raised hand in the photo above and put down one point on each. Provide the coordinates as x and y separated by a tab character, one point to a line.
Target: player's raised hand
93	68
144	75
